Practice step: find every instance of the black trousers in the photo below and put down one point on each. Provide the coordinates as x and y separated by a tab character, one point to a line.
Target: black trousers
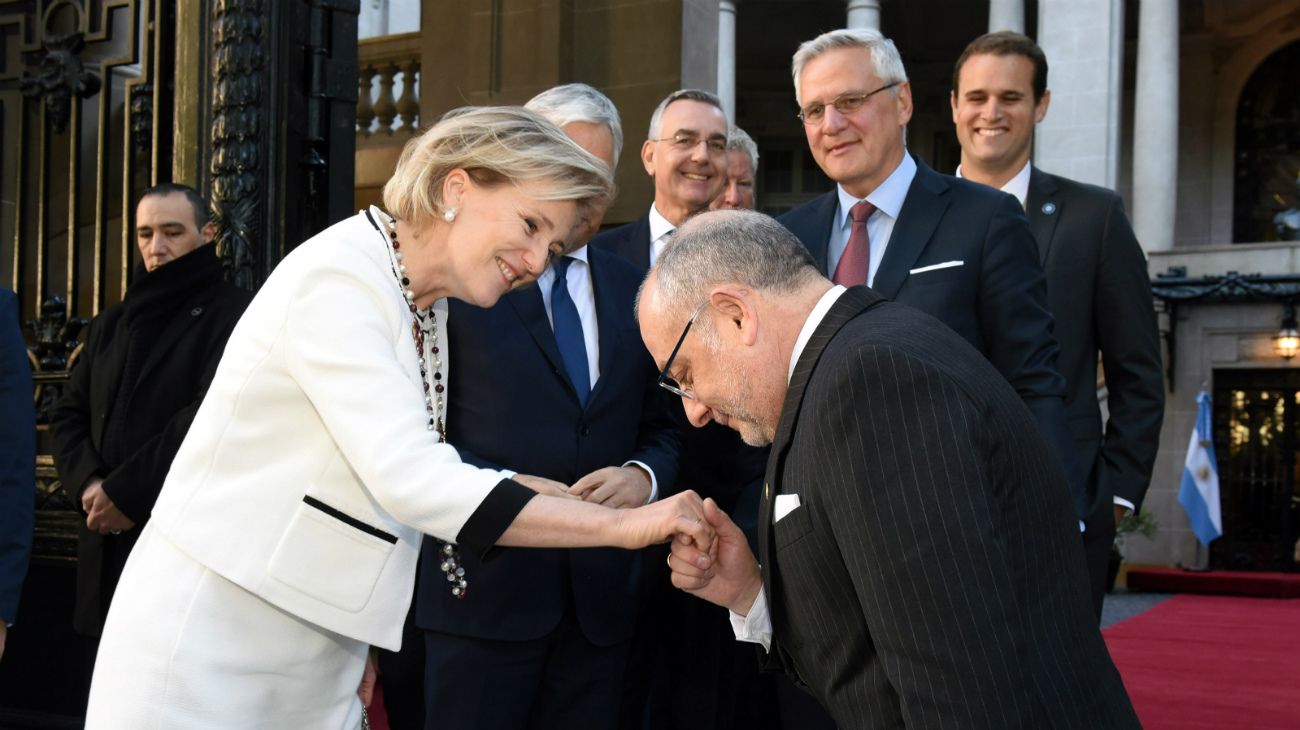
558	682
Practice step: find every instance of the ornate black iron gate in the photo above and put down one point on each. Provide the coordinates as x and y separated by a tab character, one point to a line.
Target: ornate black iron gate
1256	435
250	101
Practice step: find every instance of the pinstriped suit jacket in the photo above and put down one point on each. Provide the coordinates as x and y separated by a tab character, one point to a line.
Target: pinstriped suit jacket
932	575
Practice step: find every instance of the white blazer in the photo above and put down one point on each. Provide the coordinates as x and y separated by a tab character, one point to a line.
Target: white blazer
309	472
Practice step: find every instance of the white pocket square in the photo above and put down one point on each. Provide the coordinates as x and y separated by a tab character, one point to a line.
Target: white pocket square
936	267
784	505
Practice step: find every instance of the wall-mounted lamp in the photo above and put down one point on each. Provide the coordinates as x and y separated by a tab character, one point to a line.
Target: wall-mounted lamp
1287	339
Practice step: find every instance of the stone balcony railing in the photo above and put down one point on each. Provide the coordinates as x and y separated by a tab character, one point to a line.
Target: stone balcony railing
388	103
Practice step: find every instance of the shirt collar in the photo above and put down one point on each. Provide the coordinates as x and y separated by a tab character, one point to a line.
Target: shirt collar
888	197
659	225
1017	186
548	274
815	318
579	253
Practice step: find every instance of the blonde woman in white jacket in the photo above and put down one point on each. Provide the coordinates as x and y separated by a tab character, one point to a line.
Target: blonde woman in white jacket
284	541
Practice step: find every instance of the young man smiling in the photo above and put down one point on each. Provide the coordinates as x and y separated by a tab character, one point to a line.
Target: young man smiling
1097	283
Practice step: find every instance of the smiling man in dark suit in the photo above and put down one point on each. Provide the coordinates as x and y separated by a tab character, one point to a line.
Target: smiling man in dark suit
551	382
1097	281
685	152
955	250
919	562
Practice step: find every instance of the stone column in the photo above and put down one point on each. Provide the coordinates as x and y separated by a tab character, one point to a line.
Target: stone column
864	14
1007	15
1155	125
727	57
1079	138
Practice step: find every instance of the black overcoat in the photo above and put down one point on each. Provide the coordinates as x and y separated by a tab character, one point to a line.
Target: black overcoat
131	396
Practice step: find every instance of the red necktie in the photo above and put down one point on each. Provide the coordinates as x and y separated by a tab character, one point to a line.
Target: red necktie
855	262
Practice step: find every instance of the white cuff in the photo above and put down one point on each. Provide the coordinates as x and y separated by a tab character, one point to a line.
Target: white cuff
1125	504
654	482
755	626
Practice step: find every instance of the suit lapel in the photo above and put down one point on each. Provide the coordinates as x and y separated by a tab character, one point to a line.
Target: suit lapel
923	208
635	245
814	228
849	305
609	342
1043	207
640	241
528	304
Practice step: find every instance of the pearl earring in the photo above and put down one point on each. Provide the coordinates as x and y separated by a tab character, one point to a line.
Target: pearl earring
449	215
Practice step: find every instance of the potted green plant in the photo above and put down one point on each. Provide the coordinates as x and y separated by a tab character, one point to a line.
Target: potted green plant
1134	523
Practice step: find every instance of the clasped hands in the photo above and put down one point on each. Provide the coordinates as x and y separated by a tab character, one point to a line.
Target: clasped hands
680	518
726	573
618	487
102	515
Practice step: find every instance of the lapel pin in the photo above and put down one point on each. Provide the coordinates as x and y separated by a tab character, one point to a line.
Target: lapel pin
1049	208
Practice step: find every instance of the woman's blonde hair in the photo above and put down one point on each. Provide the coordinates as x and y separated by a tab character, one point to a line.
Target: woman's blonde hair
494	145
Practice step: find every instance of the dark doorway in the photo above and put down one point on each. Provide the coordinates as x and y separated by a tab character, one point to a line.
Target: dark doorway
1268	150
1256	435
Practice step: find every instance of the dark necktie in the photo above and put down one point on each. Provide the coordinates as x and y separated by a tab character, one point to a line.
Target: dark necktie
855	262
568	332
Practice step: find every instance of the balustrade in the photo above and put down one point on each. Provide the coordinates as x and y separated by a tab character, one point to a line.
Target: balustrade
388	87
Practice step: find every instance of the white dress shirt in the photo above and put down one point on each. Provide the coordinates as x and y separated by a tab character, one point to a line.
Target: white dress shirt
578	281
756	625
1018	186
661	230
888	199
578	278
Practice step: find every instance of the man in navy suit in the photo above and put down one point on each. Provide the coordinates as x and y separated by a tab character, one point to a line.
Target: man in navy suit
685	152
1098	287
553	381
958	251
17	461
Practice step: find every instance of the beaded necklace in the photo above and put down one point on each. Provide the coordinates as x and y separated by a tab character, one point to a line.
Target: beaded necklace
424	328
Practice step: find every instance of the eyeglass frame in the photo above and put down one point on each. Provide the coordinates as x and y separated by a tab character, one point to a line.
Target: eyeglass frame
862	98
667	382
680	138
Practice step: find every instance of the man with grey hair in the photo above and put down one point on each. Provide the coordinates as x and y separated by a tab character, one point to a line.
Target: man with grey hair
685	154
742	165
959	251
918	566
549	384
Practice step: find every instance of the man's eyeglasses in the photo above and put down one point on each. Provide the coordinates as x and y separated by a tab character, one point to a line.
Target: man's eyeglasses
845	104
685	142
665	381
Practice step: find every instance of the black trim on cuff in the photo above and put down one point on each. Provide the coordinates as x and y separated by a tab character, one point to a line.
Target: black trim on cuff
494	514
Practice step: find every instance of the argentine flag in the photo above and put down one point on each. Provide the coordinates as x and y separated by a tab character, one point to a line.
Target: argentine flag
1199	493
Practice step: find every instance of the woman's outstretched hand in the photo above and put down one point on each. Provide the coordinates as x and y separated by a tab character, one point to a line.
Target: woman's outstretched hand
681	514
541	485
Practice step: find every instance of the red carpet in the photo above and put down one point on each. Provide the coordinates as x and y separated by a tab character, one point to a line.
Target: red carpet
1212	663
1215	582
378	715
